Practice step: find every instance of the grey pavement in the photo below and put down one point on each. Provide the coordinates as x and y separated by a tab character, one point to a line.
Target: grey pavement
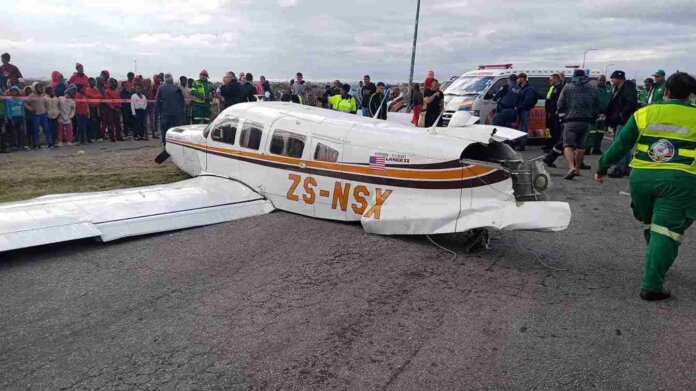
288	302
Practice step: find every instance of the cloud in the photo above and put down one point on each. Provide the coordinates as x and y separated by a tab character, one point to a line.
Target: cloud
328	40
288	3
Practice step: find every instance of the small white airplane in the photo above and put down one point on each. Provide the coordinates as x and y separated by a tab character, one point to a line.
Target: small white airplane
257	157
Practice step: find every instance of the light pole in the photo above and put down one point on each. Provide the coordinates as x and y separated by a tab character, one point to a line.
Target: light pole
583	57
135	64
413	52
606	69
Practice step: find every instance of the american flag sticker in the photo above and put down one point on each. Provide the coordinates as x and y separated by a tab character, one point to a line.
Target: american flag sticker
377	162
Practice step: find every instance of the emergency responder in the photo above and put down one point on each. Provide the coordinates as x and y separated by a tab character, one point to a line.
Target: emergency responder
202	91
507	98
663	180
594	140
657	94
551	107
644	94
344	101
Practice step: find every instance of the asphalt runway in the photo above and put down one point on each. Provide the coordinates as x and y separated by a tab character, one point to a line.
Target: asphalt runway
288	302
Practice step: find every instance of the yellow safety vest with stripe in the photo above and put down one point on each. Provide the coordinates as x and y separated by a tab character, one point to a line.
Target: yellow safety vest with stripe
201	91
666	138
347	105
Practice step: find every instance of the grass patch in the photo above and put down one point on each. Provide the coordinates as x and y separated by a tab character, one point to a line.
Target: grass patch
27	175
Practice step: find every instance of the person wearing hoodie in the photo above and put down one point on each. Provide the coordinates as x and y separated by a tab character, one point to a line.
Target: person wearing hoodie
53	110
170	105
79	79
15	110
66	108
112	111
268	94
578	102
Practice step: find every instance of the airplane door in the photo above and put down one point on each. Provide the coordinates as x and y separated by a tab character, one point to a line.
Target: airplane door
289	184
332	195
221	145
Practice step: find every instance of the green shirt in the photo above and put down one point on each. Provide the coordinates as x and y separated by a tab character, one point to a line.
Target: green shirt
624	142
657	94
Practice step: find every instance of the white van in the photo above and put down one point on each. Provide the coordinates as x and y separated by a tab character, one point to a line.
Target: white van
474	91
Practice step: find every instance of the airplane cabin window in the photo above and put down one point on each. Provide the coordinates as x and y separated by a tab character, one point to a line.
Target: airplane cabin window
226	131
287	144
250	137
325	153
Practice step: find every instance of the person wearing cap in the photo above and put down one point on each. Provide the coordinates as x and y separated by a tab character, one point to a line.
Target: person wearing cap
622	105
663	180
344	101
657	94
578	102
644	94
507	98
202	91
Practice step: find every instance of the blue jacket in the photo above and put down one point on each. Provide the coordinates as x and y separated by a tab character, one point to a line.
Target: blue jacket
508	96
14	108
526	102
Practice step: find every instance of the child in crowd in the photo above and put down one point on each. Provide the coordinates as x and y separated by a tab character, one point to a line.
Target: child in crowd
66	108
38	102
139	111
15	111
53	110
82	111
92	93
28	114
4	136
112	112
126	114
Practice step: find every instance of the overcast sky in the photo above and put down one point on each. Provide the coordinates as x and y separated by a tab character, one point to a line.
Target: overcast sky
327	39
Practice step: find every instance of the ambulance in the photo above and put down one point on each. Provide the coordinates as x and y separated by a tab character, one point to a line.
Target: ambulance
474	91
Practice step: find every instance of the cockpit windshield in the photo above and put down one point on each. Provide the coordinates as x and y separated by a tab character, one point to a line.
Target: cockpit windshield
469	85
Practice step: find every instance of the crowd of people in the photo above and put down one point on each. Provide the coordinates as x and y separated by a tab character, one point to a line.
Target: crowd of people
85	109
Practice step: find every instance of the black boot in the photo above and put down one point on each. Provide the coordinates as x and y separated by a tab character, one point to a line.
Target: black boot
654	296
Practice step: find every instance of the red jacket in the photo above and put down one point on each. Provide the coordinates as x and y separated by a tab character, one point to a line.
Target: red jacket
113	94
79	80
93	93
81	106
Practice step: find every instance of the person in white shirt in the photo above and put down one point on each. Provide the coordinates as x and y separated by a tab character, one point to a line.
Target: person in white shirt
139	110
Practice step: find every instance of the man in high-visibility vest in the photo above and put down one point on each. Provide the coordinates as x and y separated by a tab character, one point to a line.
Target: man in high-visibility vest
344	101
663	180
202	91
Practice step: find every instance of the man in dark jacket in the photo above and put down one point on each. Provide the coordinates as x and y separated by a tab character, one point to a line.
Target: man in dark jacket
170	105
579	102
621	107
232	91
507	98
551	107
377	103
249	89
366	92
524	106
